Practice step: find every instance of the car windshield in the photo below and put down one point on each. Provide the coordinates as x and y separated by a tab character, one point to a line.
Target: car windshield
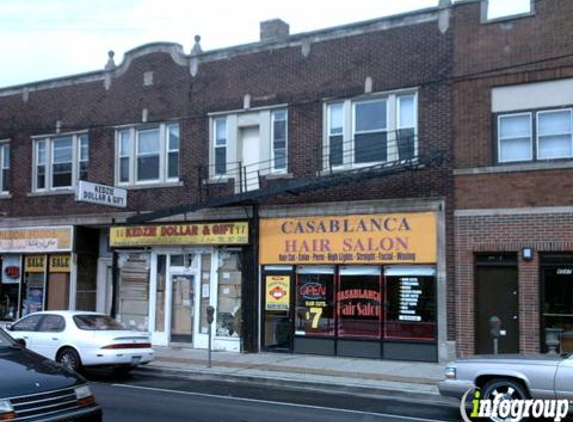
5	340
97	322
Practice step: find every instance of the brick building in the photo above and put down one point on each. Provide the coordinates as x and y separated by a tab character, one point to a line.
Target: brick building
512	140
300	185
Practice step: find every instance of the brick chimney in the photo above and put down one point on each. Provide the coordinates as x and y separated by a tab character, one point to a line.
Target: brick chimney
274	30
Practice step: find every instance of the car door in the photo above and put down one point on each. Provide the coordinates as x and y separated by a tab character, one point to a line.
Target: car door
26	329
564	379
49	335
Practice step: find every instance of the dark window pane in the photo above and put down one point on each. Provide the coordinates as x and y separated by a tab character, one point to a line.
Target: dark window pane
406	144
173	165
124	169
41	177
411	307
220	160
83	170
27	324
62	175
280	159
5	183
148	168
359	306
315	304
52	324
370	147
336	151
280	129
371	115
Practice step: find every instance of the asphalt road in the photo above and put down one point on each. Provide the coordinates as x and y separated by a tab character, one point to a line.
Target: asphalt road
141	398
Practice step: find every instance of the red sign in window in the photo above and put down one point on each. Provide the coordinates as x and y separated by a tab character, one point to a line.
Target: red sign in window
12	272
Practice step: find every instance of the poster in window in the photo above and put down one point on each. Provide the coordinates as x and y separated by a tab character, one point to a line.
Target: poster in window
315	304
277	293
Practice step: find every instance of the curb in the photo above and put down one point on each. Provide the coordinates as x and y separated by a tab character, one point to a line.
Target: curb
300	384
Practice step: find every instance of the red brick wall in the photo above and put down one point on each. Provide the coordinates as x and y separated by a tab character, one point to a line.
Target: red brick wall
506	233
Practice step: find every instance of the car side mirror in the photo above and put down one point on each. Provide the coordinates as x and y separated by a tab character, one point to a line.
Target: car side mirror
21	342
8	327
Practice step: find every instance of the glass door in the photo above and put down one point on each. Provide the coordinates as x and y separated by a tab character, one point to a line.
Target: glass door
183	308
278	325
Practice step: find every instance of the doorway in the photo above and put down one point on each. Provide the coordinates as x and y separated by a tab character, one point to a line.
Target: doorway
183	307
278	312
250	157
497	295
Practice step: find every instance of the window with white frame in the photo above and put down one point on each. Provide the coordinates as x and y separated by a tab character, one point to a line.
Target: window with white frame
220	145
228	154
59	161
147	154
279	140
375	130
535	135
5	167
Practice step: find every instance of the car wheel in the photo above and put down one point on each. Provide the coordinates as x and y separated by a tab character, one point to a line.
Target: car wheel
122	371
506	389
70	359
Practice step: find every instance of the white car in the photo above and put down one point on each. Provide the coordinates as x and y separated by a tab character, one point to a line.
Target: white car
80	339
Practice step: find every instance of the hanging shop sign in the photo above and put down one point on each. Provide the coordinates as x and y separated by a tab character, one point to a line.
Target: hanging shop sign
360	239
35	263
277	293
60	263
233	233
36	239
95	193
11	269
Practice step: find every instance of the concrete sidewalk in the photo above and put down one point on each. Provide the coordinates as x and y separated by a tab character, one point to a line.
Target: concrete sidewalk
406	380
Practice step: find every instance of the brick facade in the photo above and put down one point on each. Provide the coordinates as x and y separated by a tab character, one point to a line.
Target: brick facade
504	208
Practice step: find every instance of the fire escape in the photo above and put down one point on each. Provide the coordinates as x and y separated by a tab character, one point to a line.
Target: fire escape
342	163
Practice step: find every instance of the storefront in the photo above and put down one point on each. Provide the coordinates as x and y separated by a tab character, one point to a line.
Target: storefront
167	276
38	271
362	285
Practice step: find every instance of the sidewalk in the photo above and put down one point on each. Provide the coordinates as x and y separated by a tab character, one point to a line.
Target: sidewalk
405	380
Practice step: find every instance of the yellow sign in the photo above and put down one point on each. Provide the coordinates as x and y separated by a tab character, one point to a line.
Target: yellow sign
36	239
60	263
278	293
234	233
404	238
35	263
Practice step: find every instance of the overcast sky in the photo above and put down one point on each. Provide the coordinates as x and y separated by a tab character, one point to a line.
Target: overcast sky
43	39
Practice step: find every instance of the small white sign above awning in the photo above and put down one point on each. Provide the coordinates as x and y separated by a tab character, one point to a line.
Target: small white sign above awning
95	193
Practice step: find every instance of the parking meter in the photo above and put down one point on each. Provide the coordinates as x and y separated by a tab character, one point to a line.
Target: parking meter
210	318
210	314
495	332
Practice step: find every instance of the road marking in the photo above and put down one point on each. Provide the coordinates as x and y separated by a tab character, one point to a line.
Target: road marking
307	406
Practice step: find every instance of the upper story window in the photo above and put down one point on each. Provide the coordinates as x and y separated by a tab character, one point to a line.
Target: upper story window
362	132
148	154
59	161
248	144
535	135
4	167
503	9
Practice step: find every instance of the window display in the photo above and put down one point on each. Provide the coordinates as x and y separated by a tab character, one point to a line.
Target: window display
558	304
134	290
359	302
411	298
315	301
229	318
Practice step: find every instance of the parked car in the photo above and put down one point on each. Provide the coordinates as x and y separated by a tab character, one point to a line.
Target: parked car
536	376
80	339
34	388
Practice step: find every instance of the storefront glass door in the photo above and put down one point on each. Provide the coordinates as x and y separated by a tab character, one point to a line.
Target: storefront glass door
183	307
278	311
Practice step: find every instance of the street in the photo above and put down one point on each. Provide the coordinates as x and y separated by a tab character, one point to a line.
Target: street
141	398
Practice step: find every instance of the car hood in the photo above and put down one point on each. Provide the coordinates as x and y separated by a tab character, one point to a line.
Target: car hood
25	372
530	358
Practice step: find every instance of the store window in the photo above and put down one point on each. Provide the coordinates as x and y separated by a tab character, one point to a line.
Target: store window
411	303
229	315
359	302
557	309
315	307
10	287
133	309
33	295
160	294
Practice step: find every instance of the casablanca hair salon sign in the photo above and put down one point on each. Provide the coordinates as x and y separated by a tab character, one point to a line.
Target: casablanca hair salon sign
100	194
361	239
